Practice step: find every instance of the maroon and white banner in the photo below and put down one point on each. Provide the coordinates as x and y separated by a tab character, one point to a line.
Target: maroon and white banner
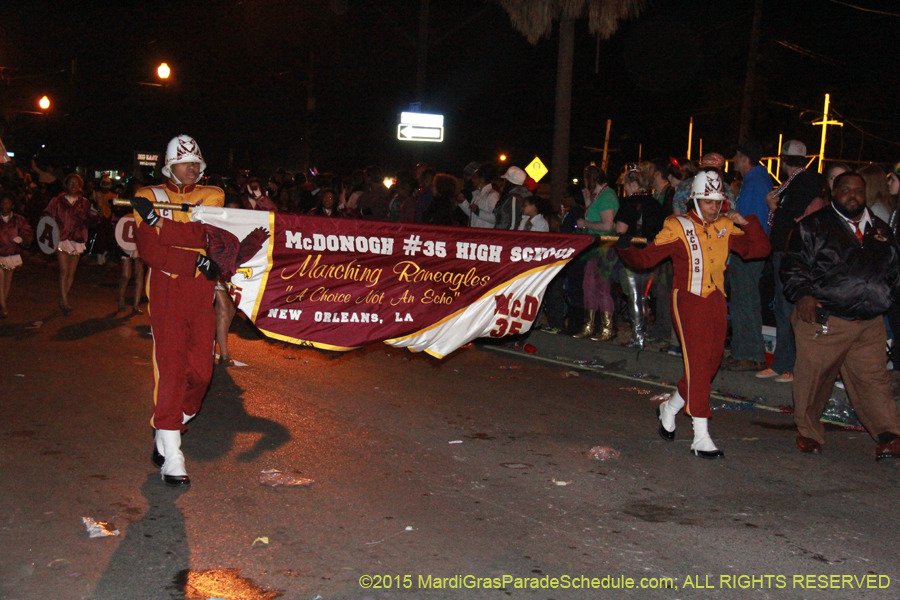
339	284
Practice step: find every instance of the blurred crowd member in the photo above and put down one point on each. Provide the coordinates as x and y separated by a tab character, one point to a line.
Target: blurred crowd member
639	215
661	282
375	203
571	209
131	263
599	219
894	183
893	314
663	191
508	212
283	200
878	198
72	212
43	176
443	204
571	276
698	298
534	214
787	204
356	189
425	192
467	186
688	169
106	236
15	235
326	204
835	170
841	270
594	184
254	198
405	198
480	208
748	350
675	175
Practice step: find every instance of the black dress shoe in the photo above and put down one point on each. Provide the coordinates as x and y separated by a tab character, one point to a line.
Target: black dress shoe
176	480
708	454
808	445
668	436
888	450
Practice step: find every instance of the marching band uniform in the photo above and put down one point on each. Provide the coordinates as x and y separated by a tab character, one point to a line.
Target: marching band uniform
13	226
699	251
72	220
15	234
180	307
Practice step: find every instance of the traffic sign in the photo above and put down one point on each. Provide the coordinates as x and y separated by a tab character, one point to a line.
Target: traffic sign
536	169
420	127
412	133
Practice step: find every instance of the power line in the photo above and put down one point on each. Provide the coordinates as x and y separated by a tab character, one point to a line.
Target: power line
846	121
864	132
810	53
871	10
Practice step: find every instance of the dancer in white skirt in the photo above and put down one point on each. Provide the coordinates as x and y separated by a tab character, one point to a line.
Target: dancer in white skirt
15	234
71	211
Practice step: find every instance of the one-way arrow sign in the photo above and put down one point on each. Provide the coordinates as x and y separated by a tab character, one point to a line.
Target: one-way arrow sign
410	133
420	127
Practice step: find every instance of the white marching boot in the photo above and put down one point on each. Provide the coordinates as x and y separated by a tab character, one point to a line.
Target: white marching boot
703	445
666	413
173	470
157	457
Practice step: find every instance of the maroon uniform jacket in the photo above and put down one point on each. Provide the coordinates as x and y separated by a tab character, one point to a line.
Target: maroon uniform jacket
17	227
72	219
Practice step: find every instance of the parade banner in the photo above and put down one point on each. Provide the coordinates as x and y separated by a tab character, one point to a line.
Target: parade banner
338	284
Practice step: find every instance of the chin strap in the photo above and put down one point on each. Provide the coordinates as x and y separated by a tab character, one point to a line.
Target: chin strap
700	214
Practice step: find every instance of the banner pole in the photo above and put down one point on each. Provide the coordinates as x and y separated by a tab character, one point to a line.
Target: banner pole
162	205
615	238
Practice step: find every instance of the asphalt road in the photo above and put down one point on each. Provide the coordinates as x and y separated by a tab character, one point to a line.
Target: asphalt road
471	468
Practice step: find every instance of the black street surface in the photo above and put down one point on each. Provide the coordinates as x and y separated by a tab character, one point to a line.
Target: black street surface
431	479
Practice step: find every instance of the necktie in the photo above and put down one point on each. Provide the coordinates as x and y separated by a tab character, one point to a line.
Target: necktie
528	225
859	234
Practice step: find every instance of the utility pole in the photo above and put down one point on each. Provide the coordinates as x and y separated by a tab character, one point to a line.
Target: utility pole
422	48
559	170
606	146
750	80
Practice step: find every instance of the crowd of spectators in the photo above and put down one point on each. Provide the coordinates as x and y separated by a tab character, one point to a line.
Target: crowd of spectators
596	296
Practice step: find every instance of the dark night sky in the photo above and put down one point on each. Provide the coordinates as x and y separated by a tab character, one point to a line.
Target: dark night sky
242	71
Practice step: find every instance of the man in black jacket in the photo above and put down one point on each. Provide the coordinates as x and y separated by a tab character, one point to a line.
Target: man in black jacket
841	269
788	203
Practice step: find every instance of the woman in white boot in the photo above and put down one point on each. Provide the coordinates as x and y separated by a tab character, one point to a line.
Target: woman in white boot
698	243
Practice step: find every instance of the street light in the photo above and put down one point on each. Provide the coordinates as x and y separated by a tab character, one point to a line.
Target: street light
163	71
502	158
44	103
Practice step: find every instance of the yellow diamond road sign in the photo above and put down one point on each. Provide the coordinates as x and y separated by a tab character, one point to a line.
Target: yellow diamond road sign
536	169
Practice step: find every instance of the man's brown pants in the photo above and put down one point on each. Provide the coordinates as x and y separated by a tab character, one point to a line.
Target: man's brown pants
856	349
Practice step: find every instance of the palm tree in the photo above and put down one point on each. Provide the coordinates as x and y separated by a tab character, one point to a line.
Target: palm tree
534	19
